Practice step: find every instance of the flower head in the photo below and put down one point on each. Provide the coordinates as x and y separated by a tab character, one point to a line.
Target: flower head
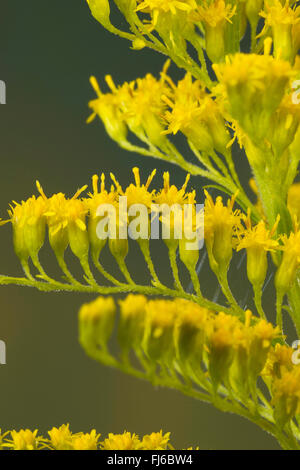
196	114
221	223
125	441
257	240
88	441
28	219
254	86
137	193
281	18
96	321
214	15
61	438
25	439
155	441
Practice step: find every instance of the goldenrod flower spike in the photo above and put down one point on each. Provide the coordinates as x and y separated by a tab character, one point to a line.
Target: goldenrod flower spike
181	341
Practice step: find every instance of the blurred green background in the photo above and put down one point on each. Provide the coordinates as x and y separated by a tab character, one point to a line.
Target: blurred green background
48	50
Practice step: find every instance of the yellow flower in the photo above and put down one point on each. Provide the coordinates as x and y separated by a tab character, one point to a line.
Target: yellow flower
254	86
261	336
158	341
220	227
93	203
132	321
196	114
136	105
66	222
25	440
281	19
171	194
287	271
61	438
155	441
252	10
96	322
160	7
132	305
107	107
257	240
88	441
214	15
286	399
29	221
279	361
284	125
137	193
125	441
190	330
2	437
221	344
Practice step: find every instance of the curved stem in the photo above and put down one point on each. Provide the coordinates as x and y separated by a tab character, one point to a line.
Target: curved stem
105	290
104	273
257	300
174	267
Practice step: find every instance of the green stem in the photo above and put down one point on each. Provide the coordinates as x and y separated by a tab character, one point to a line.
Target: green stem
267	424
106	290
105	274
65	270
86	267
223	281
257	289
145	249
195	281
124	270
174	267
279	299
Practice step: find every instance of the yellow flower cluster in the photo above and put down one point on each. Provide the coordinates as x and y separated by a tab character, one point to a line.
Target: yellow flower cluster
211	350
63	439
74	222
152	108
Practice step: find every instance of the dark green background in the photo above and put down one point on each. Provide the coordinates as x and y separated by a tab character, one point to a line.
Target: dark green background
48	50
